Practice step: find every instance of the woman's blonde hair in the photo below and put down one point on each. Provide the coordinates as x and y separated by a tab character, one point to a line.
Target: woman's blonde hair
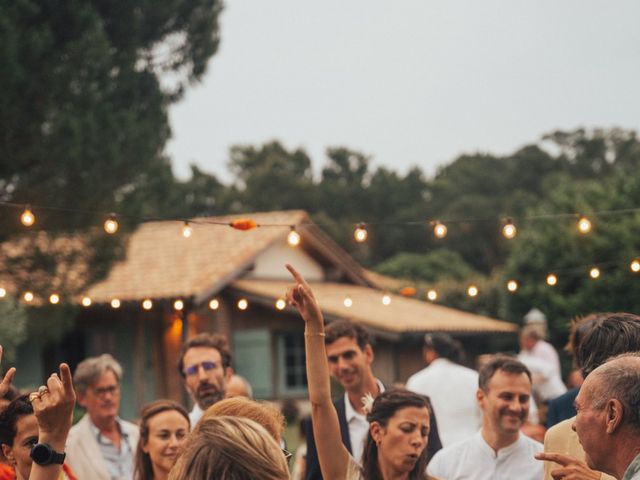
263	413
230	448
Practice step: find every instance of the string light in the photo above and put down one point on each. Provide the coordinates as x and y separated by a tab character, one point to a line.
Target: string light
186	230
348	302
509	230
472	291
280	304
635	266
439	230
584	225
54	298
432	295
178	305
360	233
243	304
111	224
147	304
86	301
115	303
214	304
293	238
512	285
27	218
386	300
552	279
3	292
594	273
28	296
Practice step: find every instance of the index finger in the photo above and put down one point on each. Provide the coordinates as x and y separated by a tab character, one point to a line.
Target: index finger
559	458
298	278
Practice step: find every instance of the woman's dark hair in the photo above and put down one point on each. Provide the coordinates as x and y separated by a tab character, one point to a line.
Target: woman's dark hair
384	407
9	417
143	468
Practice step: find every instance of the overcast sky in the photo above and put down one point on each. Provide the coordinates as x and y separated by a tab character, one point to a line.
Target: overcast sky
409	82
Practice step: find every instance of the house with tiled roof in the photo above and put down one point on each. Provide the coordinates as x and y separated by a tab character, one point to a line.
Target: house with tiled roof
221	279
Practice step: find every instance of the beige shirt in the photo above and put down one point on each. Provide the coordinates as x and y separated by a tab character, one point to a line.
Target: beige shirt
562	439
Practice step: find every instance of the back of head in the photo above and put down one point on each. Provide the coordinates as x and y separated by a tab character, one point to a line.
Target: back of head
230	448
445	346
500	363
91	369
344	328
9	417
611	334
262	413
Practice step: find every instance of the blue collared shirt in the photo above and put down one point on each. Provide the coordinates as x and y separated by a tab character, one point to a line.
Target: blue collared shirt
119	461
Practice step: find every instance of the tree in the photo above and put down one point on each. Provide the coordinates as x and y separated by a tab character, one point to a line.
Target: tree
436	265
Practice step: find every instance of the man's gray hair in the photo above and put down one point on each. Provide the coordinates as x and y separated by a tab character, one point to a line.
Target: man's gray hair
91	369
619	378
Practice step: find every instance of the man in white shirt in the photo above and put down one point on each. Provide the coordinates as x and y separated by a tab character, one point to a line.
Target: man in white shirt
498	451
532	343
450	387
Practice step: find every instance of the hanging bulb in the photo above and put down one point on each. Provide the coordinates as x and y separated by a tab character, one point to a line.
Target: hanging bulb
386	300
243	304
111	224
348	302
54	299
509	230
3	292
293	238
28	296
432	295
186	230
214	304
147	304
27	218
552	279
635	266
512	285
584	225
86	301
280	304
594	273
178	305
360	233
472	291
115	303
439	230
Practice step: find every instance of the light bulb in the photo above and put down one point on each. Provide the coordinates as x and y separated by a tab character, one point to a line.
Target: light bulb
186	230
594	273
386	300
432	295
512	285
27	218
28	296
440	230
280	304
635	266
115	303
86	301
552	279
147	304
584	225
293	238
178	305
111	224
243	304
214	304
348	302
54	298
360	233
472	291
509	230
3	292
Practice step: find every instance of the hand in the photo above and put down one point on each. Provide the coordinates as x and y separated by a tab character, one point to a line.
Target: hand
571	467
53	405
8	377
301	296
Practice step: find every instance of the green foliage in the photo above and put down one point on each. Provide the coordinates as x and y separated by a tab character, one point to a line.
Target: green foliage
430	267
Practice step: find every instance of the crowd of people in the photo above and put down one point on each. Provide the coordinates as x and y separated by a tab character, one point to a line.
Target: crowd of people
448	422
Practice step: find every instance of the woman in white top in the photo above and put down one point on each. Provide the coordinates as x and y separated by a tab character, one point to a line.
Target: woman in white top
395	447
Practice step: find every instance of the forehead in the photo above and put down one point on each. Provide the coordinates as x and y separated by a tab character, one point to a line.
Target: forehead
517	383
106	379
419	415
169	419
341	345
27	426
197	355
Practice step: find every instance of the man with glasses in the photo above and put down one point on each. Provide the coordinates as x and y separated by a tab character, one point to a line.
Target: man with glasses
205	367
101	445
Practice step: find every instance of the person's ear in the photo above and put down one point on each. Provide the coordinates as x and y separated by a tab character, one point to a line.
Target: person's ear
614	412
228	373
144	445
376	432
368	352
7	451
480	396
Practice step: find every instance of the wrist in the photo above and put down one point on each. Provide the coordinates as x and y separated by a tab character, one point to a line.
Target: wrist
55	440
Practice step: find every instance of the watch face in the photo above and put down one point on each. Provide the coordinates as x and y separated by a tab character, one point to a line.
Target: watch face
41	454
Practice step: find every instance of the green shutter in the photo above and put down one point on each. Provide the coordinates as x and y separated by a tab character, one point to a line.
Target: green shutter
252	360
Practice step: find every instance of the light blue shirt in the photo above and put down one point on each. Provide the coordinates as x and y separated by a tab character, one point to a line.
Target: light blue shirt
633	470
119	461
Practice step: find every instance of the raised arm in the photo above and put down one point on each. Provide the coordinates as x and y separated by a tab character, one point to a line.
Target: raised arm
332	454
53	407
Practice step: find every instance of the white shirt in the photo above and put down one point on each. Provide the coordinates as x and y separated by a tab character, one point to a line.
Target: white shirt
358	426
547	383
474	459
545	352
452	390
195	415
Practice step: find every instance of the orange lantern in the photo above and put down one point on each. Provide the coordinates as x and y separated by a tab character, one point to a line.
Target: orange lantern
243	224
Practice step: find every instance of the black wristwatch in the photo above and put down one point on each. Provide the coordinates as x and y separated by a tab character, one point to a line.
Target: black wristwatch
43	454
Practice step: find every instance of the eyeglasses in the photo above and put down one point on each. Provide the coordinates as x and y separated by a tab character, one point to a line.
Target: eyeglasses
193	369
287	455
102	391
